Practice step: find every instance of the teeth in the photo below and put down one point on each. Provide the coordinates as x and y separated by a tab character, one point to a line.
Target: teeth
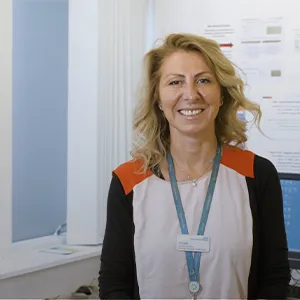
191	112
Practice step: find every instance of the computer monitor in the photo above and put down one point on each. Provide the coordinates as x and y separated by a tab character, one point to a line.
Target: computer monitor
290	184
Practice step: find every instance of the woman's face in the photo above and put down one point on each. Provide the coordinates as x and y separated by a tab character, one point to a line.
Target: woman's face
189	94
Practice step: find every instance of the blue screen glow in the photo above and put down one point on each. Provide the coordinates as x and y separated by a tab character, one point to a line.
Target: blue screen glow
291	205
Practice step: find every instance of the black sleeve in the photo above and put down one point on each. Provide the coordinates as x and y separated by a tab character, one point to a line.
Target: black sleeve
273	265
117	270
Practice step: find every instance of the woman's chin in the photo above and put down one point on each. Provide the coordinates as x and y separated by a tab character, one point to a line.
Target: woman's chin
195	130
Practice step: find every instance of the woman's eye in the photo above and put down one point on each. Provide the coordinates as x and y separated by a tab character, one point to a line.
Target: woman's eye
203	80
175	82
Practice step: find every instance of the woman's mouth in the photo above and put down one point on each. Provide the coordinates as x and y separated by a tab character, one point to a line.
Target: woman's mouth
190	112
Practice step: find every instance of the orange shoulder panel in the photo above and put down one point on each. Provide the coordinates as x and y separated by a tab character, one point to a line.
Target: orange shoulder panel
242	161
130	174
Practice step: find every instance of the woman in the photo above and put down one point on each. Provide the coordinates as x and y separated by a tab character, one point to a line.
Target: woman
192	215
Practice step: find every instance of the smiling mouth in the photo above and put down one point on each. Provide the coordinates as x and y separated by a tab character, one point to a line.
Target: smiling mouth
190	112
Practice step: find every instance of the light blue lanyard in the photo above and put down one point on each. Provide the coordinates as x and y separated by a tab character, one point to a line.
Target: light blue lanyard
193	261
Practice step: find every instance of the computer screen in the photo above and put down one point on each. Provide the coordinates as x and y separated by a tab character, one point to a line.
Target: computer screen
291	205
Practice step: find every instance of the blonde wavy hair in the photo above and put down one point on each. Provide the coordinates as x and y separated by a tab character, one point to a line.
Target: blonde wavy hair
151	129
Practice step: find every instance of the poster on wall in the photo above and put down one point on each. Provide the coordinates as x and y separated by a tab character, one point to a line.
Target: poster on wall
297	40
261	37
269	73
224	35
281	119
279	136
258	47
261	49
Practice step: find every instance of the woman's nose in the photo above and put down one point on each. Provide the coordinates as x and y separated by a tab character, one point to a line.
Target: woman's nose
190	92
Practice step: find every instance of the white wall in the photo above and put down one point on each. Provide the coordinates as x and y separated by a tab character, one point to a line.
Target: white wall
83	207
106	46
5	121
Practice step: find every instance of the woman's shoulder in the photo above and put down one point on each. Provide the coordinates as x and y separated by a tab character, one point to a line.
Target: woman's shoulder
247	162
264	168
131	173
131	167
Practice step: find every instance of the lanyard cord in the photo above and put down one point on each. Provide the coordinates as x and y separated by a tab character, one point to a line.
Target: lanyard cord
193	261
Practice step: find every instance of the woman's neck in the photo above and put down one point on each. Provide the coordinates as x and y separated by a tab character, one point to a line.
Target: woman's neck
191	153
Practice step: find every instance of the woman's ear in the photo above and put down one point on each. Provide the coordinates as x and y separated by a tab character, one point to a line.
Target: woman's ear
222	101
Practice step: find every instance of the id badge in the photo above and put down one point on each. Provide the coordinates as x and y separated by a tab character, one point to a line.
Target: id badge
193	243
